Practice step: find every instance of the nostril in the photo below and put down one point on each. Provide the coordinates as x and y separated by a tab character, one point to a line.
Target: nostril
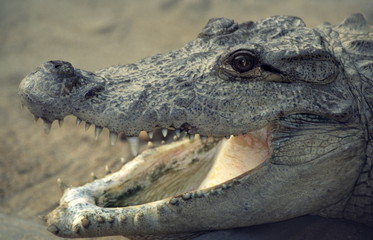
59	67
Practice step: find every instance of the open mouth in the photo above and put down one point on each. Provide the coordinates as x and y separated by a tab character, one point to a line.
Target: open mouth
187	167
180	170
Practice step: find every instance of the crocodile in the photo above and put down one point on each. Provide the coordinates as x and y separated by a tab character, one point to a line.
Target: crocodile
279	123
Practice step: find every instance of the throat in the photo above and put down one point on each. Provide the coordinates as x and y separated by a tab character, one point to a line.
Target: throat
238	155
359	206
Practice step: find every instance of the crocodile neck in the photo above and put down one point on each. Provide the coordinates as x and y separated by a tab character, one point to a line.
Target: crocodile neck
357	62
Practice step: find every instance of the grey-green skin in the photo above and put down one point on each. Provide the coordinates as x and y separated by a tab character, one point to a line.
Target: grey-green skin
313	86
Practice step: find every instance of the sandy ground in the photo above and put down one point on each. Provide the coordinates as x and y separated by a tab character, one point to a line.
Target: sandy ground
94	34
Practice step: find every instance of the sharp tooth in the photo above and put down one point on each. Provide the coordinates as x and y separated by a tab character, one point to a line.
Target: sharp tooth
78	121
87	125
93	176
98	131
134	145
151	134
150	145
60	122
47	127
107	170
63	186
164	132
177	133
191	137
203	139
113	138
175	138
36	118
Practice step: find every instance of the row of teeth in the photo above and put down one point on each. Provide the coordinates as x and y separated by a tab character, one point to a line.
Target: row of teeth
133	141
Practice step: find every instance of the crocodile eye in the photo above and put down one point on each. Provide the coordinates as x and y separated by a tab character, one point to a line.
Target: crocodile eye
242	61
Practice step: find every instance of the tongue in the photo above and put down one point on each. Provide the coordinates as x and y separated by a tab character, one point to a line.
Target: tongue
237	156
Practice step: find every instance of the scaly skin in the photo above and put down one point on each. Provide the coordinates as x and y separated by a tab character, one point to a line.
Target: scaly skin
304	96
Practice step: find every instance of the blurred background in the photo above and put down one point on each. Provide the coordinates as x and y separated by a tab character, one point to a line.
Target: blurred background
93	34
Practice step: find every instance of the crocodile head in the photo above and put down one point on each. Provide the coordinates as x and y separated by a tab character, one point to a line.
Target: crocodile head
289	97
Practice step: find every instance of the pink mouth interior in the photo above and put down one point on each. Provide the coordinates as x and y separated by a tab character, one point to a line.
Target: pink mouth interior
239	154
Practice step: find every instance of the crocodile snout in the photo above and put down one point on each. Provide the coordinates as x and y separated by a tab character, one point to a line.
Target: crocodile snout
54	90
54	79
47	91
